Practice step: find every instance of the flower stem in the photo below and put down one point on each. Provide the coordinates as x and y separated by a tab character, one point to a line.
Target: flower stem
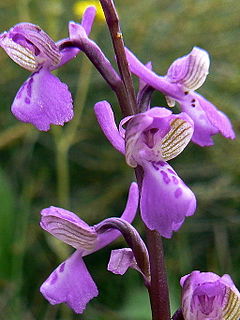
158	289
102	64
118	44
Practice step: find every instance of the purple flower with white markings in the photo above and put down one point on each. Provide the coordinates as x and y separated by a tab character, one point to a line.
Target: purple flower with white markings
150	139
71	282
43	99
185	75
206	296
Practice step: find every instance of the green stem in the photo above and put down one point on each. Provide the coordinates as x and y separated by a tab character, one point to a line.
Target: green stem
63	179
65	138
83	85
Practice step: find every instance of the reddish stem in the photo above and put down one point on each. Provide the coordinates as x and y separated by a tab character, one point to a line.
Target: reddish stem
118	44
158	290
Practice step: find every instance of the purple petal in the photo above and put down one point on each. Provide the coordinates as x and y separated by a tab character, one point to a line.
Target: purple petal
68	227
165	199
87	22
105	118
67	54
203	129
156	113
88	18
76	30
43	100
133	138
151	78
143	84
197	278
217	118
129	214
208	120
121	260
70	283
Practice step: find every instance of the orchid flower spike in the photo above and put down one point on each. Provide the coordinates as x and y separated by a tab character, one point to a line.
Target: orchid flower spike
185	75
71	282
150	140
207	296
43	99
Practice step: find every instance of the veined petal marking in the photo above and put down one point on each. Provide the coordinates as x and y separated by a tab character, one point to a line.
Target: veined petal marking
232	308
190	70
198	70
50	50
22	56
176	140
76	236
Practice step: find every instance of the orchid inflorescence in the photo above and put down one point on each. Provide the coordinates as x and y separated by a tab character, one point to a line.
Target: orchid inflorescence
148	137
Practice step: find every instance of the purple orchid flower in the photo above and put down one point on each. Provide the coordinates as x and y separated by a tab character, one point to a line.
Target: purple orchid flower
151	139
71	282
43	99
185	75
206	296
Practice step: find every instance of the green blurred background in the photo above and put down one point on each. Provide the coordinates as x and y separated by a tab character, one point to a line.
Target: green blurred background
76	168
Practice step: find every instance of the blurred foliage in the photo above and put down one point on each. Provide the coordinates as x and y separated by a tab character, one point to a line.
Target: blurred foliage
34	166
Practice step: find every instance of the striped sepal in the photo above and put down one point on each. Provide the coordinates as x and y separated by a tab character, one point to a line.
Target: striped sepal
22	56
197	69
176	139
77	236
30	47
191	70
232	309
44	44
